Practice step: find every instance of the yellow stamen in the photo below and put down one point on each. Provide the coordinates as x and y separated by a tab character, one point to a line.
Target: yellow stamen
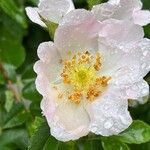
81	74
75	97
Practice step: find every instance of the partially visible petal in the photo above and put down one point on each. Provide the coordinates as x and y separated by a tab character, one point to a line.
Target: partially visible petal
137	90
32	13
141	17
77	17
48	67
78	35
136	4
116	9
48	52
67	120
109	114
104	11
43	84
48	106
141	53
143	100
128	3
125	8
55	10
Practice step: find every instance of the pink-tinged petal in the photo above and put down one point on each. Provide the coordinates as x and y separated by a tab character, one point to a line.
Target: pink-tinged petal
48	68
39	67
55	10
42	84
141	17
129	4
109	114
116	9
121	33
137	91
33	15
48	52
126	64
104	11
79	35
126	76
67	120
48	106
141	53
117	45
125	8
77	17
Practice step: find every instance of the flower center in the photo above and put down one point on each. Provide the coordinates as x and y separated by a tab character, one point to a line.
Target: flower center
82	76
81	73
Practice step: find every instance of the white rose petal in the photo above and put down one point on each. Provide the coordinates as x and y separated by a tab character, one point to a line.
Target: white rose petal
33	14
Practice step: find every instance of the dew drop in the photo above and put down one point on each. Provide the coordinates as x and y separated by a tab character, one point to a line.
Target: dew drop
143	65
145	53
148	68
108	124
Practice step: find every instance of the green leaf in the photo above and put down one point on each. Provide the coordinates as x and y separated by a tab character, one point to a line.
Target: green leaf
2	94
10	72
51	27
11	49
91	3
18	137
11	52
35	124
42	140
35	109
51	144
147	31
92	145
112	144
28	74
17	120
17	108
9	100
2	81
9	28
11	9
30	92
146	4
2	117
137	133
34	1
145	146
40	137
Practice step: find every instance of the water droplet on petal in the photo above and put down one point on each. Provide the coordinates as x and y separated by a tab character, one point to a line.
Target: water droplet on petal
143	65
145	53
148	68
108	124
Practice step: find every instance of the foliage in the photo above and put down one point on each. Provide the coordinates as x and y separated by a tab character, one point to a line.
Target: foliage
21	124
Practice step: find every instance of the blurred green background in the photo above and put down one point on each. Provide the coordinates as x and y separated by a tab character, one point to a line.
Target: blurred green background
21	123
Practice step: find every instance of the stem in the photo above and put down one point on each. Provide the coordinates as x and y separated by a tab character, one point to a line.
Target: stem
9	82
